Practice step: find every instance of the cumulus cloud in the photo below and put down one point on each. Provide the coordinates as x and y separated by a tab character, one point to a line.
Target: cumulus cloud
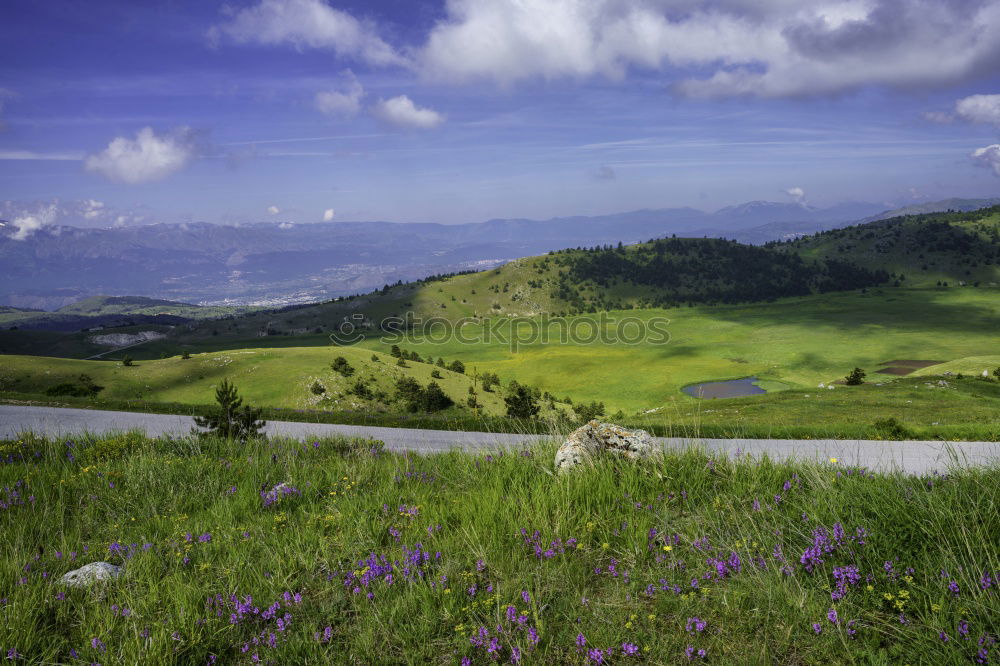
983	109
402	112
796	193
29	222
344	102
145	158
979	109
307	24
768	49
328	215
75	212
273	210
989	157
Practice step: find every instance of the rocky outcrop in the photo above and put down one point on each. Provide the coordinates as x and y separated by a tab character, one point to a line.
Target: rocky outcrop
94	572
596	439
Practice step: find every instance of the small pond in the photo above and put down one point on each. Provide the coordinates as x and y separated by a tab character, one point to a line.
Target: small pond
734	388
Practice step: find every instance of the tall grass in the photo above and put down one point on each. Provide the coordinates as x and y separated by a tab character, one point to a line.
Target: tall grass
401	558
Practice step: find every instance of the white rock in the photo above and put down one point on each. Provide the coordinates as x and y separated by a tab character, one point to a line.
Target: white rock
91	573
596	439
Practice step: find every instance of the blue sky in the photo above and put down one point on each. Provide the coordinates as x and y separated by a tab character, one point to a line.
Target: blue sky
459	111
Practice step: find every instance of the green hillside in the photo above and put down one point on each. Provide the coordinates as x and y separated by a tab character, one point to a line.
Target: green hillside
926	250
655	274
297	379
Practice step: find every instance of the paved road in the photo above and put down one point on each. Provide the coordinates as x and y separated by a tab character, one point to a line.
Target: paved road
911	457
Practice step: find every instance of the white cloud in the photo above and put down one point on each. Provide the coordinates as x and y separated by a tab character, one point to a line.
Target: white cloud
273	210
75	212
145	158
402	112
989	157
766	49
328	215
796	193
346	102
307	23
28	223
979	109
92	209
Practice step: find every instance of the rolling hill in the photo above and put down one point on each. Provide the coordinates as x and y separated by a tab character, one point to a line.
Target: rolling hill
937	249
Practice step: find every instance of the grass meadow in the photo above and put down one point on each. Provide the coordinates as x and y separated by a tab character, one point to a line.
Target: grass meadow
367	556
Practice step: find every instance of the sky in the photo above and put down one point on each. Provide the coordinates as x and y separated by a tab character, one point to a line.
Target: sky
465	110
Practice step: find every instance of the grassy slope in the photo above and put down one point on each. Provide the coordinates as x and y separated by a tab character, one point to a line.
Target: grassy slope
953	246
796	343
800	342
631	538
927	249
269	377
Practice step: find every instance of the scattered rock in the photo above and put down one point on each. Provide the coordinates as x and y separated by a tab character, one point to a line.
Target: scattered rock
89	574
596	439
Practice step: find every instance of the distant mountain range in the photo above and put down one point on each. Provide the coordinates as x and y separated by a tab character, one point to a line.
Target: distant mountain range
275	264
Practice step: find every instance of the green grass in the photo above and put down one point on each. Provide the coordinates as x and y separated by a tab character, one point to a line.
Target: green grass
276	378
626	536
792	345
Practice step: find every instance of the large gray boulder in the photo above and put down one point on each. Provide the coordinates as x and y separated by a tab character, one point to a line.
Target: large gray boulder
597	439
91	573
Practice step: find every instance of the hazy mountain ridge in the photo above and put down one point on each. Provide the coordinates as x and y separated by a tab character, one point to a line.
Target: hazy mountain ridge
275	263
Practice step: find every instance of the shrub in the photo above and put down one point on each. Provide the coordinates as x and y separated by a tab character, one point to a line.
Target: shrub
589	412
856	378
341	366
435	374
890	428
127	361
435	399
401	362
416	398
360	389
186	355
457	366
375	358
317	388
231	419
490	380
521	401
396	351
410	393
84	387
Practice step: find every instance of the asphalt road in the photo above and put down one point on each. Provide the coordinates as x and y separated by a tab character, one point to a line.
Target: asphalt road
907	456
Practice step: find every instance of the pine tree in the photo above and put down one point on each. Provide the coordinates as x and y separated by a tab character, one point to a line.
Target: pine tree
231	419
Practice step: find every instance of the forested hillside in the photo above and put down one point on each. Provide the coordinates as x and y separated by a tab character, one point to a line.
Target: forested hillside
938	249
